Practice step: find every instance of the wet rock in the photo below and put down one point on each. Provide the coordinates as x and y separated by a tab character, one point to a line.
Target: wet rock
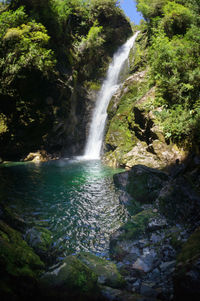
105	270
40	239
121	180
125	198
72	279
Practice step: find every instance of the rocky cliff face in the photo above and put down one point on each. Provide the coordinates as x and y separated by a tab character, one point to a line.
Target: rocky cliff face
134	133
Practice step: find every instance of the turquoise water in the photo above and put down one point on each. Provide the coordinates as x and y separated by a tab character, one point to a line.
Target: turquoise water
77	201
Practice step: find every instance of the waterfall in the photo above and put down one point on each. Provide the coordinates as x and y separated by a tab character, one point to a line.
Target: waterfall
109	87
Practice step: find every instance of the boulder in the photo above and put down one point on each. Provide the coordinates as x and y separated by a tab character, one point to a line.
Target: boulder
40	239
139	154
39	156
72	279
141	182
105	270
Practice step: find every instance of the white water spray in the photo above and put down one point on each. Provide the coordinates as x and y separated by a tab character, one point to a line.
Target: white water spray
109	87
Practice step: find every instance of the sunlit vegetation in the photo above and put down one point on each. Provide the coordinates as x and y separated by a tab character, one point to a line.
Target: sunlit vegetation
173	30
47	48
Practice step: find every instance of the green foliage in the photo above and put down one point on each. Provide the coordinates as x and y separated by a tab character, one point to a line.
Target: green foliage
180	124
173	56
3	123
151	8
93	40
177	18
24	48
46	48
9	19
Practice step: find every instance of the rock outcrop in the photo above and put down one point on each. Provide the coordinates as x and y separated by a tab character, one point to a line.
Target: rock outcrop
134	134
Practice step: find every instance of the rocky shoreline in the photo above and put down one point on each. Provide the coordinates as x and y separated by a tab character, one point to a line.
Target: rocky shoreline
153	250
154	256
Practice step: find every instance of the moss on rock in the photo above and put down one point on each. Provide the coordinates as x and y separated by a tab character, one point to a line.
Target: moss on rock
137	225
40	239
105	270
72	279
120	137
20	267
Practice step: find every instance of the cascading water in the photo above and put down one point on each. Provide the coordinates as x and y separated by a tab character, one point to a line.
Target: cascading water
109	87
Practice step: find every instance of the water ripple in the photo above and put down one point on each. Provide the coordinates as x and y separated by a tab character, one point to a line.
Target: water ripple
77	199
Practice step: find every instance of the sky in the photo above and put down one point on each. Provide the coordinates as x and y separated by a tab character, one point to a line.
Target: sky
129	7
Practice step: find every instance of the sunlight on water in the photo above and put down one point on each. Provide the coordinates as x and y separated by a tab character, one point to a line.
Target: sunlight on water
77	201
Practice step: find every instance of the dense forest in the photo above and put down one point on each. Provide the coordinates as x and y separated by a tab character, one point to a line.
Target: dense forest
48	52
173	39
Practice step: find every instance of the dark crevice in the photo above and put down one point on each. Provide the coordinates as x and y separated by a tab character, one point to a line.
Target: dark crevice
143	127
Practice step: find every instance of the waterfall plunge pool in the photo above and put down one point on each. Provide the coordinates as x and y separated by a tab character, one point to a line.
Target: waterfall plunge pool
75	200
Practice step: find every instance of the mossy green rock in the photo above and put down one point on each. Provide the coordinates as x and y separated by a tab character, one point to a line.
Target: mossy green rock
105	270
19	265
72	279
135	228
12	218
141	182
137	225
40	239
187	274
120	137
